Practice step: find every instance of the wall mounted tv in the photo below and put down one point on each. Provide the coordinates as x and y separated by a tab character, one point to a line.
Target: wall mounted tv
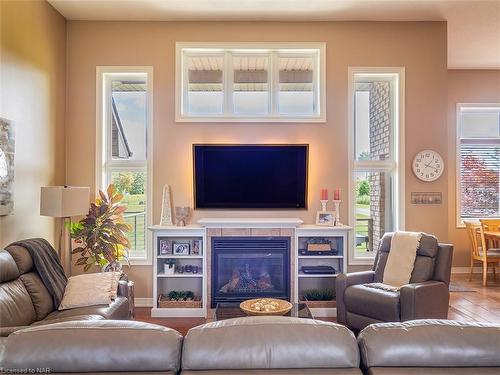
250	176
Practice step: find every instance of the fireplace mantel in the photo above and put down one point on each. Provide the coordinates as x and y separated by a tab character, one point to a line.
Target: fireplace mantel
250	222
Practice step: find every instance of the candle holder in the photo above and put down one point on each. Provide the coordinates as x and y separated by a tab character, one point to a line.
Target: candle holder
324	203
337	212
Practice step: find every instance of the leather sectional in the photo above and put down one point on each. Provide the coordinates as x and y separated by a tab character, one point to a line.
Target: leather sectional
254	346
25	301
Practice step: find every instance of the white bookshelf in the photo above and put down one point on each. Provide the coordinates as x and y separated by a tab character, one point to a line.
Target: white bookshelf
164	283
339	236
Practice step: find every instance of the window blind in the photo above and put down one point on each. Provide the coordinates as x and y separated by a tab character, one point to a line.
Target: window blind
480	180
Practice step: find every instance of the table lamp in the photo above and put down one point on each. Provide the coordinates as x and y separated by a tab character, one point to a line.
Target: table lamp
64	202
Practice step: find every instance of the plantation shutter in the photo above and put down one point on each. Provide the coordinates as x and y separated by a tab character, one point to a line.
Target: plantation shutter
480	179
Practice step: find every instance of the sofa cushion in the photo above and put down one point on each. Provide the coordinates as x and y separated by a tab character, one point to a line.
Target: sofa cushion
431	371
430	343
95	346
8	267
118	309
22	258
40	297
424	262
307	371
270	342
372	302
16	308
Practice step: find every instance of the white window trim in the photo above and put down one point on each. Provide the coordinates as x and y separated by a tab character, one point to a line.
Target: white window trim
397	141
100	180
273	116
458	131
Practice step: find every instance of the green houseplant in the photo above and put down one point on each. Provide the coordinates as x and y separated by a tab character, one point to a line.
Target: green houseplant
101	235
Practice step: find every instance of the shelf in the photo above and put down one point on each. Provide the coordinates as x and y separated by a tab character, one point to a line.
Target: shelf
317	275
180	256
320	256
180	275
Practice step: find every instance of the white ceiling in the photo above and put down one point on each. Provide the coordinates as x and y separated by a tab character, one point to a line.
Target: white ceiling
473	25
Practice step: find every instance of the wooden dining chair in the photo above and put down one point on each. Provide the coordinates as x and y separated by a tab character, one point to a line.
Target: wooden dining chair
491	256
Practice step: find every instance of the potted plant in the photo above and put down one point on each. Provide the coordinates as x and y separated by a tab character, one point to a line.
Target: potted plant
320	297
101	235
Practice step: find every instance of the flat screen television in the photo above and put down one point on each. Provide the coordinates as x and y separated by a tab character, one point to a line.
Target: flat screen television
250	176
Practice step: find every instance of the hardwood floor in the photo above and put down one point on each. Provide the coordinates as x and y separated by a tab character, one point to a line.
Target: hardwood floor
482	304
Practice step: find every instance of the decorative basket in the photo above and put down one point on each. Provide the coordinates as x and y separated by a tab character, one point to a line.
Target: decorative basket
165	303
282	306
320	304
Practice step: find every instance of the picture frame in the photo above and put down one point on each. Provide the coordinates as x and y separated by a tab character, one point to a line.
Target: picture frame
196	247
325	218
164	246
181	248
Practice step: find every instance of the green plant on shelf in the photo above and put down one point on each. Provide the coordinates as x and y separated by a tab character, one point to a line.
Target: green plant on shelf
181	295
319	294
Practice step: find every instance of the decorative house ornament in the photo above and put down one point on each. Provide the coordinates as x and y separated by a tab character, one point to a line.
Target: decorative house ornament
428	165
166	207
7	143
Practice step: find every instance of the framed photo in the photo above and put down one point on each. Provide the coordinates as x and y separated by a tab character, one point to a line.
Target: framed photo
326	218
181	248
196	247
164	246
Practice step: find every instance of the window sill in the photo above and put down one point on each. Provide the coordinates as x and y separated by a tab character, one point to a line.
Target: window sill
140	262
233	119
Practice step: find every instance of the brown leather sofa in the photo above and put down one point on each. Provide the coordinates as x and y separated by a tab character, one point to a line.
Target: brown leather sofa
433	347
25	301
255	346
270	345
425	297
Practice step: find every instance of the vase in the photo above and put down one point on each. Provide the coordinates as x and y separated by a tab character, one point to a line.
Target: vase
114	266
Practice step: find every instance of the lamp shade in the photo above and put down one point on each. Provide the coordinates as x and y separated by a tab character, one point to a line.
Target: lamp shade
64	201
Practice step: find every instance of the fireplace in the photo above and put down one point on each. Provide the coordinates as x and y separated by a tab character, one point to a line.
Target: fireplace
250	267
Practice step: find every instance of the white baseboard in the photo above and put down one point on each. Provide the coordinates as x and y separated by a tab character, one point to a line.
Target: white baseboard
143	302
467	270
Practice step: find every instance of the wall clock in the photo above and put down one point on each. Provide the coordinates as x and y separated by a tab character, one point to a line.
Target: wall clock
428	165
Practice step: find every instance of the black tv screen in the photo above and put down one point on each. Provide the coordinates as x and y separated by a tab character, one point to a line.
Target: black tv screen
250	176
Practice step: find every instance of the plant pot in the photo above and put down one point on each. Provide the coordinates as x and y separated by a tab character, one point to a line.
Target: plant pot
114	266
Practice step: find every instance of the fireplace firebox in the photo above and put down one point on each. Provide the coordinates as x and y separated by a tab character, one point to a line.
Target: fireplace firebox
250	267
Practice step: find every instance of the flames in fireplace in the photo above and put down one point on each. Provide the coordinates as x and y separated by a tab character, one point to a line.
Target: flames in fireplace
243	281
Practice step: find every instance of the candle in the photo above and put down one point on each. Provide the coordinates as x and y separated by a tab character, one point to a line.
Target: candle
336	194
324	194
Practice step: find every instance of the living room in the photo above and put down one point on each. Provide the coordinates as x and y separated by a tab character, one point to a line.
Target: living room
384	117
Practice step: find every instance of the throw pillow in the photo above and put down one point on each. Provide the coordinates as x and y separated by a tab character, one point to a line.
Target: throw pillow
88	290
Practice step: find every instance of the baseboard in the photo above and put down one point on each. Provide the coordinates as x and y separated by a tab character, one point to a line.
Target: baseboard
467	270
143	302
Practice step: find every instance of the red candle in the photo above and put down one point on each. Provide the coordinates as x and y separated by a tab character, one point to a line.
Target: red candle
336	194
324	194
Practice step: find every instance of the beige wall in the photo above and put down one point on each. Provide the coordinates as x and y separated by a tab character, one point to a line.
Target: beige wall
420	47
32	94
464	86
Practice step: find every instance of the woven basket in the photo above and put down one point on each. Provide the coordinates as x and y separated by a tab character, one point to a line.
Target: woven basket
283	308
165	303
320	304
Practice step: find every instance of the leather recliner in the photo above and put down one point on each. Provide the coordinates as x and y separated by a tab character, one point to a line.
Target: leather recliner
426	296
25	301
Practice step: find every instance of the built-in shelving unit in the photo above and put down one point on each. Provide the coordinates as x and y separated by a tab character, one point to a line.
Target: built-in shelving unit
337	238
166	237
184	247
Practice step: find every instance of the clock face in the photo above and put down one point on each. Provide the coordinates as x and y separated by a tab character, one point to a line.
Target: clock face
428	165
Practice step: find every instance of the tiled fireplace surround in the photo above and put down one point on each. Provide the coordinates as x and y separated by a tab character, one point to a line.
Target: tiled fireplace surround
247	232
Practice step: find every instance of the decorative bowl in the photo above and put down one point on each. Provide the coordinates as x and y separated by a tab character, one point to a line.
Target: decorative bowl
265	306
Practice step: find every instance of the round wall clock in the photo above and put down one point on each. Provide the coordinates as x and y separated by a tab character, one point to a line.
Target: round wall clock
428	165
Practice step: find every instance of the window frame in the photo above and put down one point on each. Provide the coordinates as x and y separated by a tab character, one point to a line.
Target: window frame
460	223
274	51
104	162
396	165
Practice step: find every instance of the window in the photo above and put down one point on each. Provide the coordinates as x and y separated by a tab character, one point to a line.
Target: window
376	191
124	130
250	82
478	161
